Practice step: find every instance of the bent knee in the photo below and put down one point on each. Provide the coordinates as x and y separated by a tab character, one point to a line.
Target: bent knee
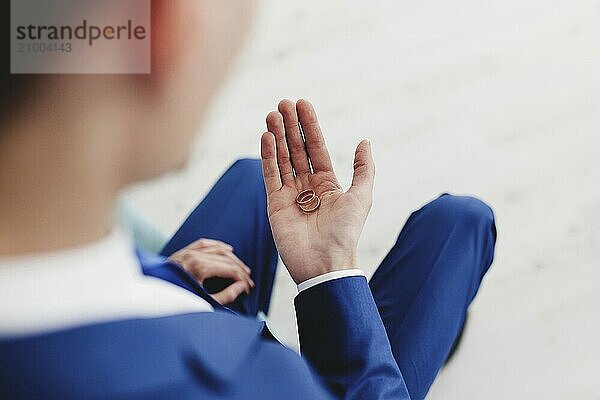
451	209
247	164
248	168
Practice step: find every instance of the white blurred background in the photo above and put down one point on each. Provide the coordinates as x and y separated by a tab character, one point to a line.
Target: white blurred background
498	99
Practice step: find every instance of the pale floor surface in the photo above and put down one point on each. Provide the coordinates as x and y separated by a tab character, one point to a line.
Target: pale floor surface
495	99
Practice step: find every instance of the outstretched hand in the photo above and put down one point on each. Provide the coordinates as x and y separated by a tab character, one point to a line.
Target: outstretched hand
311	244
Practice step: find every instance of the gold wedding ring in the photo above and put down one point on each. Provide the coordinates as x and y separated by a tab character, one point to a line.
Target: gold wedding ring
308	201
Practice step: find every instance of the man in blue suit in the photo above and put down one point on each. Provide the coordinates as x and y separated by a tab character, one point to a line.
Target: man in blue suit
82	315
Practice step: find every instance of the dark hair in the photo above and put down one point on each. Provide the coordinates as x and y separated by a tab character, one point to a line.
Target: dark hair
13	87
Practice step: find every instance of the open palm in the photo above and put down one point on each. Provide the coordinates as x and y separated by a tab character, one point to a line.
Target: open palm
311	244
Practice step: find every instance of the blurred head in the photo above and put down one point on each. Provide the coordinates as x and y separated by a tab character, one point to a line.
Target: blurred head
140	125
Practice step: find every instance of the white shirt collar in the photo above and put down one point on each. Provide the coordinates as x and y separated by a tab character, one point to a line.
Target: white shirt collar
99	282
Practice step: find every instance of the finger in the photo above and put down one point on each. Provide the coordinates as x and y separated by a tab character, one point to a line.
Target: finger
225	267
315	143
295	143
193	262
212	246
205	243
270	169
275	125
203	265
231	292
230	255
364	170
239	262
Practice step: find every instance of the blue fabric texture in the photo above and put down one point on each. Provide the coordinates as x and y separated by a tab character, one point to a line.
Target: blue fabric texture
235	212
195	356
426	283
343	336
386	339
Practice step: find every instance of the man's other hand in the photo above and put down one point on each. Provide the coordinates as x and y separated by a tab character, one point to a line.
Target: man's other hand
207	258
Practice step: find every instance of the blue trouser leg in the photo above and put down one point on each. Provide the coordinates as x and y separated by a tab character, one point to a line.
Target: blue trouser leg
422	288
234	211
427	281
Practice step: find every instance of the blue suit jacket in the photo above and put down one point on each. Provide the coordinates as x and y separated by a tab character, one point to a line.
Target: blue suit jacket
217	355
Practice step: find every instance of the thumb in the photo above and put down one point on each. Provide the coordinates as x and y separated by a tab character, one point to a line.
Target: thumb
364	170
231	292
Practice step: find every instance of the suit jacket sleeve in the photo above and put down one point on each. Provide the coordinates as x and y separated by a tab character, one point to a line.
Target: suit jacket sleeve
343	337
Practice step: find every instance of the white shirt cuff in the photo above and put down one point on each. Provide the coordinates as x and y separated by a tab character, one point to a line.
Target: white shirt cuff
329	277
